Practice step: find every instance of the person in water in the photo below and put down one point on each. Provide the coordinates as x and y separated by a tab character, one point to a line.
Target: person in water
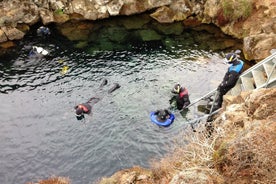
162	115
231	77
86	108
37	52
182	98
43	31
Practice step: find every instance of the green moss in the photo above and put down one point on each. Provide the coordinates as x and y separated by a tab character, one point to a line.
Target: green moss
234	10
59	11
219	157
148	35
81	44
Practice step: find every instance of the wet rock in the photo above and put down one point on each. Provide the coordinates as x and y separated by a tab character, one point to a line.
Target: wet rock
148	35
170	29
117	34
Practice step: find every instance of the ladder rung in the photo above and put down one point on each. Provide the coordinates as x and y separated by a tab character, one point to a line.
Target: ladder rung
268	68
247	83
271	73
259	78
273	76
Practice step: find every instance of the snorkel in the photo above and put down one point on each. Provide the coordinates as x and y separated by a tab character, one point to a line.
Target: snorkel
79	113
80	116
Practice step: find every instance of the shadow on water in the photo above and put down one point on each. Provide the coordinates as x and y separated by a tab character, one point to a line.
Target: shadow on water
41	137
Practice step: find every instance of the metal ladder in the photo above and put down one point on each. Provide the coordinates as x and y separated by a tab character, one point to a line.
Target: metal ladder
261	75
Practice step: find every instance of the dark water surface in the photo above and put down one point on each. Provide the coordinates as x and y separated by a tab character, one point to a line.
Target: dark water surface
39	135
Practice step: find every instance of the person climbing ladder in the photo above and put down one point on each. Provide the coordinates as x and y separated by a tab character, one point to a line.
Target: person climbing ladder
230	78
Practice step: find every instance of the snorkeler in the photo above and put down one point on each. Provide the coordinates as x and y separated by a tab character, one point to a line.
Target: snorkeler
86	108
37	52
182	97
162	115
43	31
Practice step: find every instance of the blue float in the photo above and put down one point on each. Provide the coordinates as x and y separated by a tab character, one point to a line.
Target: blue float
166	123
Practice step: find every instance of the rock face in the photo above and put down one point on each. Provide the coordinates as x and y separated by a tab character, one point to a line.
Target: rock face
253	21
259	39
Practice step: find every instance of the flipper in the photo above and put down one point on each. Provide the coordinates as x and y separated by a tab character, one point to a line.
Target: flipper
93	100
104	83
115	86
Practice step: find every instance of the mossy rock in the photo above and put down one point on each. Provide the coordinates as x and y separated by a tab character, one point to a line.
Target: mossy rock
112	34
117	34
81	44
148	35
107	45
169	29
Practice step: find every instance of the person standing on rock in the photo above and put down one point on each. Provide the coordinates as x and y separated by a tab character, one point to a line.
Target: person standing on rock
231	77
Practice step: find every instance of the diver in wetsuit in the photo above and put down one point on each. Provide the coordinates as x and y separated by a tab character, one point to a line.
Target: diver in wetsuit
85	108
231	77
162	115
182	98
43	31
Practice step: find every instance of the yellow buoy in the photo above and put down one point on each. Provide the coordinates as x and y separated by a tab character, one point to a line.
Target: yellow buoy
64	70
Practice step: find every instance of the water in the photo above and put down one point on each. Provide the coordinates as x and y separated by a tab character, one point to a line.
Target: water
39	135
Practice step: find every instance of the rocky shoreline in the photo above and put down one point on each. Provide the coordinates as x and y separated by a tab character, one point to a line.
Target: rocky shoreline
253	22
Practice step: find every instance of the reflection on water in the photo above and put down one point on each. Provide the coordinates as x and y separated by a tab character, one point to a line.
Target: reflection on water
39	134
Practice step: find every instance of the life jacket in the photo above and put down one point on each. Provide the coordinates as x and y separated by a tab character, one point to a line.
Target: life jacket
183	93
237	68
84	108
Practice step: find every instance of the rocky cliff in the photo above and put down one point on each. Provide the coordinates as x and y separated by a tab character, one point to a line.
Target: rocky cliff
253	21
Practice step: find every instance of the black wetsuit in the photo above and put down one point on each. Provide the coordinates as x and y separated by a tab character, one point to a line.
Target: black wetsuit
229	81
162	115
182	99
85	108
